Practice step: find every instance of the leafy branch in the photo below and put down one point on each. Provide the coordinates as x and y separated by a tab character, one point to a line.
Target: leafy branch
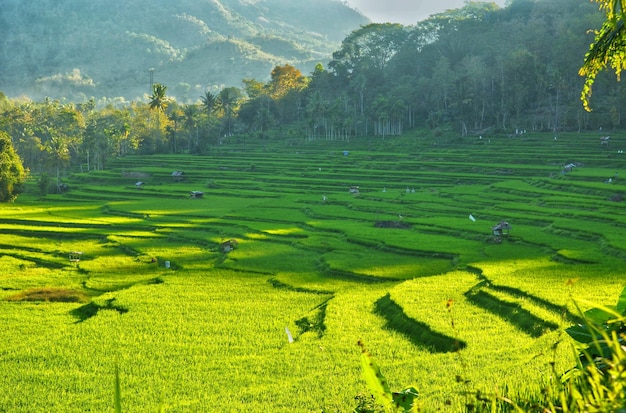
607	50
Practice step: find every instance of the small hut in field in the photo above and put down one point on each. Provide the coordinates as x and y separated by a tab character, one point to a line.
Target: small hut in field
75	256
501	229
229	245
178	176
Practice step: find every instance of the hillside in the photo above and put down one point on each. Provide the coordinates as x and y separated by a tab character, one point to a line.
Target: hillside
77	49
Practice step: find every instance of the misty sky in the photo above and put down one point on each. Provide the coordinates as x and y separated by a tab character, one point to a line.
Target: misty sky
406	11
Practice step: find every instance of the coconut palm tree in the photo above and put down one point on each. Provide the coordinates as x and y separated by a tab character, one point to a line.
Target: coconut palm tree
158	100
191	124
227	101
209	101
58	156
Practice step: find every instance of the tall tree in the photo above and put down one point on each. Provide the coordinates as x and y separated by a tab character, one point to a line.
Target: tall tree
209	101
254	88
285	79
190	113
176	118
228	101
58	156
158	100
107	135
12	173
362	61
210	106
285	87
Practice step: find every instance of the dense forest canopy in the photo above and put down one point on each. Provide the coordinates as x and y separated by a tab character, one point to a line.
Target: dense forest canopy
475	70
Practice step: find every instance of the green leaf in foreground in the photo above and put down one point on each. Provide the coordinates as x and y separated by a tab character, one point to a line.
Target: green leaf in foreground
376	382
404	400
599	320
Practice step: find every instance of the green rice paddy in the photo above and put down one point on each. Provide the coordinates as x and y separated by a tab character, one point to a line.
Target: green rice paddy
408	265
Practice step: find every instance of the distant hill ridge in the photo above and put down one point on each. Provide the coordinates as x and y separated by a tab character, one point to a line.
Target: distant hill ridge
77	49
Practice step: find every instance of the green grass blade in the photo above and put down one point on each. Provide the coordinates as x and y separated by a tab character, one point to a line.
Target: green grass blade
118	393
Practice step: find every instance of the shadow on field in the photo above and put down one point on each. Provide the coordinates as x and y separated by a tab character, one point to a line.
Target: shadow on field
512	313
26	257
281	285
89	310
418	333
315	322
555	308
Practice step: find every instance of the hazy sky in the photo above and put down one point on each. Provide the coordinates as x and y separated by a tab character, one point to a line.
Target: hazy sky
406	11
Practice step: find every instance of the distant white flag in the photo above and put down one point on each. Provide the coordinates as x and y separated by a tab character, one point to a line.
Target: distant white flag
472	218
289	336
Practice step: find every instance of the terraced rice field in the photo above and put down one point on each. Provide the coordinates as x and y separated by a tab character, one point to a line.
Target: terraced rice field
408	265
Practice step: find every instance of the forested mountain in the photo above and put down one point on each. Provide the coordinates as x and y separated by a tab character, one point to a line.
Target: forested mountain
77	48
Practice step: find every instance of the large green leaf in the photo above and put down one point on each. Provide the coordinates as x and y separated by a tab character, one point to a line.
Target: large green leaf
598	321
376	382
580	333
597	315
405	399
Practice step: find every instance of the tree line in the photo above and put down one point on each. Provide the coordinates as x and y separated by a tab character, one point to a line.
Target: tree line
476	70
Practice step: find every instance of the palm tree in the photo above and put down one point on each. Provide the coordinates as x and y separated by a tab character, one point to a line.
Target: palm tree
59	156
209	101
191	124
227	102
175	117
316	111
158	100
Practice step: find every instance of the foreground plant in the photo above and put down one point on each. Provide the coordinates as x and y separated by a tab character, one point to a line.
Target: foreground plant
403	401
598	382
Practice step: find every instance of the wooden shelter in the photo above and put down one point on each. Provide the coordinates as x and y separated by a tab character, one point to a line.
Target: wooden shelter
229	245
75	256
501	229
196	194
178	176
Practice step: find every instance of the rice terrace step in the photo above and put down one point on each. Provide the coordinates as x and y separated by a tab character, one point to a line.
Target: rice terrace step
189	298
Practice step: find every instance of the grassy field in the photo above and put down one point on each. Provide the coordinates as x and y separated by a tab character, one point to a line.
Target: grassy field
408	265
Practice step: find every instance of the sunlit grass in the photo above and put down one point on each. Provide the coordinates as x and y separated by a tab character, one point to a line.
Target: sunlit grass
195	328
385	265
